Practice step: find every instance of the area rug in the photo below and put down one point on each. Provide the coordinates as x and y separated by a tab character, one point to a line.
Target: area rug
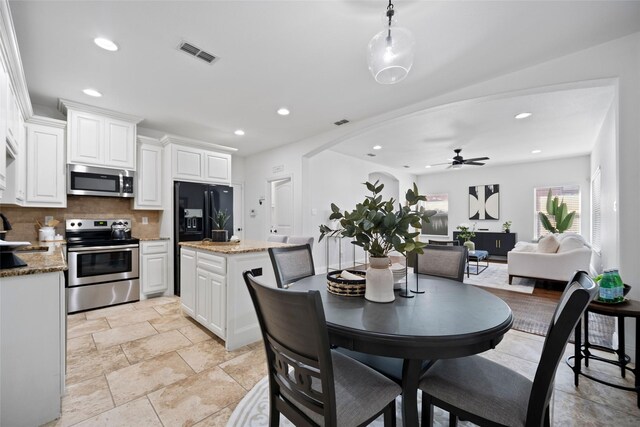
496	276
253	410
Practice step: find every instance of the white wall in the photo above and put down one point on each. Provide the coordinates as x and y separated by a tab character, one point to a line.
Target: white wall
516	182
604	157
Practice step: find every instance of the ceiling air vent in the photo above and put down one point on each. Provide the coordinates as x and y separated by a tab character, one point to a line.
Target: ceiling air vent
341	122
197	52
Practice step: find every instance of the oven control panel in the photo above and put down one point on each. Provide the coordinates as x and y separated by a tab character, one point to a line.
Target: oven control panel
88	224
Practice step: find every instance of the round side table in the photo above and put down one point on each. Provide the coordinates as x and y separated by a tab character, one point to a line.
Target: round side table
629	308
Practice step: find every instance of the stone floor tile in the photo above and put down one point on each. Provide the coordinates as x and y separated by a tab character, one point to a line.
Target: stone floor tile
196	333
570	411
248	368
195	398
109	311
134	316
84	365
142	378
137	413
85	400
156	301
168	323
123	334
154	345
173	308
86	327
72	319
208	354
80	344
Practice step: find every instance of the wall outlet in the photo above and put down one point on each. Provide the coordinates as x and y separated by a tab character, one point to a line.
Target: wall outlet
145	220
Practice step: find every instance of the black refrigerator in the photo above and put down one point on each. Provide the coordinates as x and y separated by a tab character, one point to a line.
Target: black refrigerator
194	205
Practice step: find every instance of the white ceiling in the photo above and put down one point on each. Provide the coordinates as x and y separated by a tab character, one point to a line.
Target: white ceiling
310	57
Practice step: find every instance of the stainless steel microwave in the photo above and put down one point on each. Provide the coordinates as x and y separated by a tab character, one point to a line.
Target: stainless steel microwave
93	181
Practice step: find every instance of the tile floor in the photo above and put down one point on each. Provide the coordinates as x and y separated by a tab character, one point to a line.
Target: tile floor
147	364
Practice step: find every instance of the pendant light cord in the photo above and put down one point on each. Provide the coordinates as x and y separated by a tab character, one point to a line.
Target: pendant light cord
390	13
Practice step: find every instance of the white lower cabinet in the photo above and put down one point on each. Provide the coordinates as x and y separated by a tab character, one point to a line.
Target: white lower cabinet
154	266
213	292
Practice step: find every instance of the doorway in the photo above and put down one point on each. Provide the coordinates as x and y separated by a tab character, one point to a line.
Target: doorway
280	207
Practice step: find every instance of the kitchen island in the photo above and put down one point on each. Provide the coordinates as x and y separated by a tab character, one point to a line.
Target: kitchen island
213	291
32	337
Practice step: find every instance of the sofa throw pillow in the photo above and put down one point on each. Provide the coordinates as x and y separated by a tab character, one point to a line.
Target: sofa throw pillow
548	244
525	247
570	243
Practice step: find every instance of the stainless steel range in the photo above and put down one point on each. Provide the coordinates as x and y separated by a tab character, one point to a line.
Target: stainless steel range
103	263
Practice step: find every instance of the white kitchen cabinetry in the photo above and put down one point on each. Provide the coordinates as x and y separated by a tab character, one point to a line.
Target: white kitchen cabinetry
148	192
194	164
100	137
188	281
45	165
32	350
213	292
4	118
154	266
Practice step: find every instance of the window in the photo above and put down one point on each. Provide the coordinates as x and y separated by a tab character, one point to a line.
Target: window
596	211
570	194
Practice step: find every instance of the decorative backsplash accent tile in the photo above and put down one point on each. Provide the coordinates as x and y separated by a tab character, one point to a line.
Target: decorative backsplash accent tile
23	219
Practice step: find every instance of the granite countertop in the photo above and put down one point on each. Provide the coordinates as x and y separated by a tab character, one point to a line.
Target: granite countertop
47	259
149	239
242	247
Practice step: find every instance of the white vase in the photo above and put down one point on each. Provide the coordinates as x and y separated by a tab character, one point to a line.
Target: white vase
471	246
379	286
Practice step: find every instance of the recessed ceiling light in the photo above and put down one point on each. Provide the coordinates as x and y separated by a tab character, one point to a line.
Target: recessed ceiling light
283	111
428	166
523	115
536	151
92	92
377	147
106	44
239	132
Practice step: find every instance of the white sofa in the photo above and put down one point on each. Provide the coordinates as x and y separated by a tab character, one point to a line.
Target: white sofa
528	260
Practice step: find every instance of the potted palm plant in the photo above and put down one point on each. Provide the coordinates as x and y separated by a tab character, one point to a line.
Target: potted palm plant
559	219
219	219
378	226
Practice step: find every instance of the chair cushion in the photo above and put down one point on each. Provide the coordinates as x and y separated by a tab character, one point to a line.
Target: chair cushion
570	243
361	392
480	386
548	244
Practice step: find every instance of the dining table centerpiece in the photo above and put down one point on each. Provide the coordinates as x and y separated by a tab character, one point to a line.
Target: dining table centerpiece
379	227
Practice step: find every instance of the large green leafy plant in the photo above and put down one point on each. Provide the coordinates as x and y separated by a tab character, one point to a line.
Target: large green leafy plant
562	218
377	227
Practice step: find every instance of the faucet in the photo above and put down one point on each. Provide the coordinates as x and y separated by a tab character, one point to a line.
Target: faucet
6	225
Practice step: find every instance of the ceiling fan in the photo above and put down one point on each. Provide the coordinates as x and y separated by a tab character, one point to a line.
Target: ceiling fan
458	161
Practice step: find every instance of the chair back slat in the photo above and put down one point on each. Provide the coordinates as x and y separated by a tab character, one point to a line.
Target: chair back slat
442	261
578	293
291	264
296	339
300	240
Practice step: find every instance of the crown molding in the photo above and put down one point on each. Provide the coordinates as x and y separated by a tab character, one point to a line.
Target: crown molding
149	140
173	139
65	104
46	121
10	55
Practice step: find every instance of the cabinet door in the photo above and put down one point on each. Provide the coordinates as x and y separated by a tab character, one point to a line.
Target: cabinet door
21	177
149	173
4	99
187	163
45	167
153	274
211	302
188	281
217	167
120	144
86	134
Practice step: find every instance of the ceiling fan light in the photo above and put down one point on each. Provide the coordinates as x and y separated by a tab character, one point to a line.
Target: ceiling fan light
456	165
390	55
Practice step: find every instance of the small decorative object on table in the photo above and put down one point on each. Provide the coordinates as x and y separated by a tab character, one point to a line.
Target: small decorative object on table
467	234
219	218
349	283
506	226
378	228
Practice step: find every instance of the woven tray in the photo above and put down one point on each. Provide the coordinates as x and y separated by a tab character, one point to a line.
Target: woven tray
343	287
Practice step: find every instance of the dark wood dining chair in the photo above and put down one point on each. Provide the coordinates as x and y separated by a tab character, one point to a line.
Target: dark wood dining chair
309	383
291	264
300	240
442	261
488	394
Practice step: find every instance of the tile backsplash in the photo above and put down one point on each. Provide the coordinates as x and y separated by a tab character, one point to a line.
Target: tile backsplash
24	226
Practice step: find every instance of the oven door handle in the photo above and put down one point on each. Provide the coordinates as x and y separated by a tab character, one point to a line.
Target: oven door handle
103	248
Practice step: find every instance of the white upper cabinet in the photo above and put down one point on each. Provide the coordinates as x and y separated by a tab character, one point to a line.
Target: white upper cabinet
100	137
45	165
148	191
4	101
195	164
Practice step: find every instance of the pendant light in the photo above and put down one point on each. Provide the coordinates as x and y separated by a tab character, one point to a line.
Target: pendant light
390	52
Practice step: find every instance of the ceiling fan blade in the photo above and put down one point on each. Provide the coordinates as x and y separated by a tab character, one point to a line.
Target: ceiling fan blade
440	164
475	159
474	163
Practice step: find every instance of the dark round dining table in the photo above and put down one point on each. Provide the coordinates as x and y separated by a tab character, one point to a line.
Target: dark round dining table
450	319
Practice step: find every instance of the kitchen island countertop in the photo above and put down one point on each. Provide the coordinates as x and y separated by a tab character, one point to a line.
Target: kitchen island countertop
40	261
229	248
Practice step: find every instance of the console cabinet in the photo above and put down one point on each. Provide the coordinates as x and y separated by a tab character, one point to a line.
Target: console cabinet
497	244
